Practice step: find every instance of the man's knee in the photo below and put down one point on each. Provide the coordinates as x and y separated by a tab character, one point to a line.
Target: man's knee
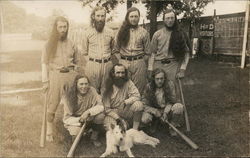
99	118
146	118
177	108
137	106
73	130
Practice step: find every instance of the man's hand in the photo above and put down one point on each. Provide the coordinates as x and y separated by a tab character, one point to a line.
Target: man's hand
45	86
84	116
167	109
164	116
181	73
157	113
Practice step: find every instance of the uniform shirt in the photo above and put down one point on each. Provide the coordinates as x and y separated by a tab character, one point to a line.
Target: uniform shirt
91	101
98	45
66	55
160	47
138	44
128	94
159	100
159	93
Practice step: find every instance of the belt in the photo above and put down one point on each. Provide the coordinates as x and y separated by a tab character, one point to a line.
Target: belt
66	69
131	58
166	61
100	60
63	69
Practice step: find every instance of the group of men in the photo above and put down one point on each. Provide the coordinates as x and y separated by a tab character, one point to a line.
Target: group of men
140	88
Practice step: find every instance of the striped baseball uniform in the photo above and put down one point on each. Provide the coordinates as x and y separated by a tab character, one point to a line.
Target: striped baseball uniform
133	54
98	47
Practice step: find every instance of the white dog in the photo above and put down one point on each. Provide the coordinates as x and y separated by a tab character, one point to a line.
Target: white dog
117	138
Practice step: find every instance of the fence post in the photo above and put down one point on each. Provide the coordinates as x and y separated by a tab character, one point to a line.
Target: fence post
243	56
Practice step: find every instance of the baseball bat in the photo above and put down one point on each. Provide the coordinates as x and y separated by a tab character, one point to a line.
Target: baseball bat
44	123
185	108
183	136
76	141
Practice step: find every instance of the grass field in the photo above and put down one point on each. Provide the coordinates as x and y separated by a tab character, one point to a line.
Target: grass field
216	95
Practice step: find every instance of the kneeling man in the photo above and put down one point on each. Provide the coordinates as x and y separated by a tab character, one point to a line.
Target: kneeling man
121	98
160	102
82	102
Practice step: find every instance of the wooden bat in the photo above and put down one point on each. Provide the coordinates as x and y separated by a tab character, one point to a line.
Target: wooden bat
77	140
183	136
44	123
185	109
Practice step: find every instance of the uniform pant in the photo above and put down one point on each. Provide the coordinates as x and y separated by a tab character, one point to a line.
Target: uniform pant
129	113
95	122
57	83
137	71
175	116
98	73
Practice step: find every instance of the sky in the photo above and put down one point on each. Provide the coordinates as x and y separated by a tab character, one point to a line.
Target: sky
79	14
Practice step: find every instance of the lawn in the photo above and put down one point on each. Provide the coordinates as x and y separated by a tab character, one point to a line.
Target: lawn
217	100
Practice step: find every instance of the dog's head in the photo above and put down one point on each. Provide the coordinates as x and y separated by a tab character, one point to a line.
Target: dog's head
119	130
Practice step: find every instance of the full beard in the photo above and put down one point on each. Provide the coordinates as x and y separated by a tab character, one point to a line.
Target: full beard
119	81
62	37
99	26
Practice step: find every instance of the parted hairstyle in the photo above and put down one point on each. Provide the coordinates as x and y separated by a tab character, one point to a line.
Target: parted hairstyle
150	90
123	33
71	93
51	46
177	43
109	82
92	15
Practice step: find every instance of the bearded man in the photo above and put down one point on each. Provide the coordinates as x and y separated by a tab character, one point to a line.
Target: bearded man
59	65
121	98
133	43
97	44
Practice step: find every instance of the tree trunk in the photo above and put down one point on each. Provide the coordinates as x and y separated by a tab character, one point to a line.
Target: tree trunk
129	4
153	18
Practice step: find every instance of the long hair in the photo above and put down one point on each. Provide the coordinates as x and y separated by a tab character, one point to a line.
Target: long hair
92	15
177	43
51	46
152	88
109	83
71	93
123	34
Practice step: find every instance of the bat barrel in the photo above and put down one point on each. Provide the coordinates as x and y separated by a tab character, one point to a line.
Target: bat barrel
185	108
44	128
184	137
76	141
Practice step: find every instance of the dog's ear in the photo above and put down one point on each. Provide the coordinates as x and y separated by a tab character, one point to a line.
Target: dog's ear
112	126
118	121
122	124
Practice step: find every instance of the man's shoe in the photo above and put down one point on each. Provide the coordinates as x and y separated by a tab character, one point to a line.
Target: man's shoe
49	138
